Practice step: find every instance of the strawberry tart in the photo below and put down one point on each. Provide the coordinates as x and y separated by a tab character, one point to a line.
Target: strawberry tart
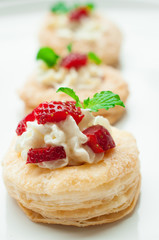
66	166
85	73
88	30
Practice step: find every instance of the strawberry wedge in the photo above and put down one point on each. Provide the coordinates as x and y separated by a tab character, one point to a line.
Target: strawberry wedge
38	155
99	138
79	13
74	60
53	112
23	123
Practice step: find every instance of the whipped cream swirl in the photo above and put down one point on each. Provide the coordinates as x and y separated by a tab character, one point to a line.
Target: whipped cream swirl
87	77
65	133
88	28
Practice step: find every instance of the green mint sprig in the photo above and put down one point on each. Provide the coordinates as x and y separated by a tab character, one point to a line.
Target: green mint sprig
72	94
69	47
94	58
91	55
90	6
102	100
48	56
62	7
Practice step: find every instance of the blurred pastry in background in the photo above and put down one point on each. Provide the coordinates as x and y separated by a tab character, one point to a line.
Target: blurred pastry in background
85	27
85	73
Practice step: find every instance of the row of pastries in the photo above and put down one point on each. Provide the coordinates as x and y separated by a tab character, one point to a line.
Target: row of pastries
67	164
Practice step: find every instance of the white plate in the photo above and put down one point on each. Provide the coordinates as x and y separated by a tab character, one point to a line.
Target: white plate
140	67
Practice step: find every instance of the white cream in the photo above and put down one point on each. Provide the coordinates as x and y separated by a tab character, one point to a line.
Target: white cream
87	77
65	133
89	28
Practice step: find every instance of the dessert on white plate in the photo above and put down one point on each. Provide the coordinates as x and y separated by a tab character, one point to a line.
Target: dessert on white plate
88	30
66	166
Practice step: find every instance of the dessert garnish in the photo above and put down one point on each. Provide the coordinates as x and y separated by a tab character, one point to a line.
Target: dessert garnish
69	47
72	60
50	113
48	56
75	12
23	123
45	154
62	7
75	70
79	13
102	100
94	58
99	138
45	133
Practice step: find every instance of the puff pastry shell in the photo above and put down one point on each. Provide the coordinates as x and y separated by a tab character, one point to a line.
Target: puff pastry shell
79	195
33	93
107	47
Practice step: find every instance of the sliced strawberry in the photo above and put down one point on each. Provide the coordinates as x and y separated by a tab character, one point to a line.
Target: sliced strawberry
22	124
74	60
78	14
57	111
51	112
99	138
38	155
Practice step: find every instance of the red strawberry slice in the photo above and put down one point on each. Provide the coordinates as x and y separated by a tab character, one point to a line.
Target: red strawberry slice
51	112
38	155
78	14
57	111
74	60
99	138
22	124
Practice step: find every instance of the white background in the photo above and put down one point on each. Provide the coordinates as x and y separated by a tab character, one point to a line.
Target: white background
140	68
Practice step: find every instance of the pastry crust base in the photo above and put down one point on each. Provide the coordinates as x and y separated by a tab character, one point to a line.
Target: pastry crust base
108	49
33	93
80	195
107	218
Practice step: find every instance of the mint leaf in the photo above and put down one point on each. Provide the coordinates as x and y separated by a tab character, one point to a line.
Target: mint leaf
94	58
69	47
91	6
72	94
48	56
60	7
104	99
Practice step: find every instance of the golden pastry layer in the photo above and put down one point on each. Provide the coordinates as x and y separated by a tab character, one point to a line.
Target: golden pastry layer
79	195
107	47
33	93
